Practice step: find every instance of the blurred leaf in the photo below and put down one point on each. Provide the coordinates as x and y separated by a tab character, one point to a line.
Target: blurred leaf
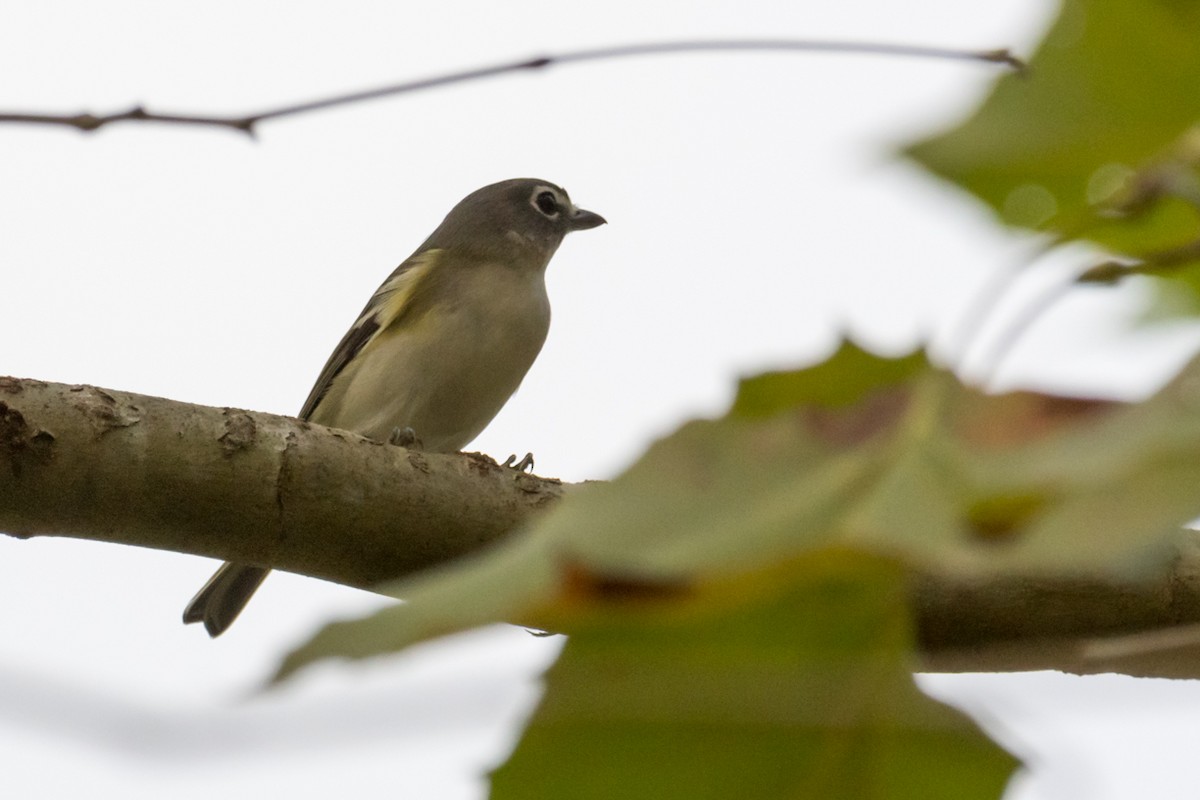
1097	140
917	467
736	603
793	683
843	379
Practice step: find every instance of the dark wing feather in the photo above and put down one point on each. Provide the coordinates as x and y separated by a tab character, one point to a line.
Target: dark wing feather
381	310
351	343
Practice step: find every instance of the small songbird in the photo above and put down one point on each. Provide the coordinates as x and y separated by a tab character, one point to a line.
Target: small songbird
441	345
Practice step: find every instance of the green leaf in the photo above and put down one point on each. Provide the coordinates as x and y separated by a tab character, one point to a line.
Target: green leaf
795	684
736	600
844	378
1097	140
912	465
1113	83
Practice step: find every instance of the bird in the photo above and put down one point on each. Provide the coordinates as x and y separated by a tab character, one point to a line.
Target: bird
441	345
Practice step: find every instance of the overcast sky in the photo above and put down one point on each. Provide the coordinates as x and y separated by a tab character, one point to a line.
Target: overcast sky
756	214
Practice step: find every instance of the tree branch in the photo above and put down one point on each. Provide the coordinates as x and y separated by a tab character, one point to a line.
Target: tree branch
1020	624
264	489
246	124
250	487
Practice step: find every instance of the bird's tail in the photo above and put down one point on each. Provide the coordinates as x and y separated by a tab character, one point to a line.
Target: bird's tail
220	601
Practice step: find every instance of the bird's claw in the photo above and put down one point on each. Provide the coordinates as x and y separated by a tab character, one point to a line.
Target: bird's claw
405	437
524	465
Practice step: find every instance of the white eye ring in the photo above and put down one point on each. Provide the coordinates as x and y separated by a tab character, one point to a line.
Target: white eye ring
547	203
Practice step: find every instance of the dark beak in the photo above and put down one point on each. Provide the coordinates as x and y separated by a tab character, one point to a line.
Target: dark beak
582	220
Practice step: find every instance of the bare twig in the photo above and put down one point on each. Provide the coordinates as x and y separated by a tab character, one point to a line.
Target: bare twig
1033	311
1159	262
246	124
983	305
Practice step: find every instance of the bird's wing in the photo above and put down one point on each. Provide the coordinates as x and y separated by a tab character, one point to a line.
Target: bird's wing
387	305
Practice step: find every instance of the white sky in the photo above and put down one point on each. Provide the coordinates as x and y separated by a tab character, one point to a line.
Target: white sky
754	216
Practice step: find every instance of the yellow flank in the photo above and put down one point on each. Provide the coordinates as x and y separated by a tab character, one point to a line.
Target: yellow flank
397	294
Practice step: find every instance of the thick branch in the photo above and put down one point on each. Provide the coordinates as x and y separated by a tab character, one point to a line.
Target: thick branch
246	124
256	488
1019	624
263	489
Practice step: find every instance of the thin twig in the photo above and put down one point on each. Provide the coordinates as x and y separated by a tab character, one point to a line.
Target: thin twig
246	124
1030	313
986	301
1160	263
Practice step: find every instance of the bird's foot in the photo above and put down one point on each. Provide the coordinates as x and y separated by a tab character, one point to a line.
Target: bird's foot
405	437
524	465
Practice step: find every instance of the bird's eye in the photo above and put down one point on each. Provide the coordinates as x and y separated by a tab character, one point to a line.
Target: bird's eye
547	203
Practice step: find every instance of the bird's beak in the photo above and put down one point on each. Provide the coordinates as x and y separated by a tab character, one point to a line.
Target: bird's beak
582	220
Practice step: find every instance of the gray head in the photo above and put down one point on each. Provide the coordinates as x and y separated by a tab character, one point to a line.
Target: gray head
518	218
